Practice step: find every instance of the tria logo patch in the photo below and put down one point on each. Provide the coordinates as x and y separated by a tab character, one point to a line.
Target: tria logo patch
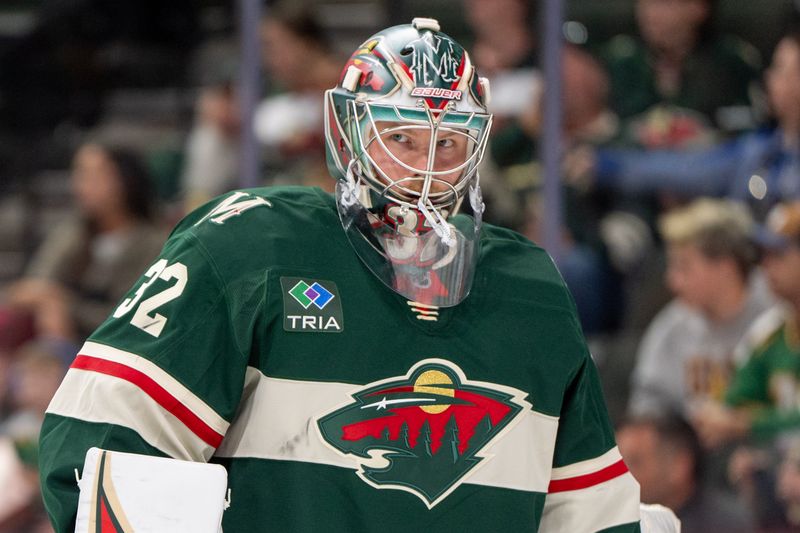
425	432
311	306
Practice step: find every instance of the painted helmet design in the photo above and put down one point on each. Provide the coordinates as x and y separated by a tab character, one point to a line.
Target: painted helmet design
410	82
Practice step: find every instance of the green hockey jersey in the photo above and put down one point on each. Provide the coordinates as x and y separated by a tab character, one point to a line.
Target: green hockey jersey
768	383
258	340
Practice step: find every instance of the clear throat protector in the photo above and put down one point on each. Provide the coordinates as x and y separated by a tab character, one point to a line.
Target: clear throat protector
398	201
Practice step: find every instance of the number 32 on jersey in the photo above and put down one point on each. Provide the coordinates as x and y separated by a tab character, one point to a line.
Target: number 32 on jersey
145	317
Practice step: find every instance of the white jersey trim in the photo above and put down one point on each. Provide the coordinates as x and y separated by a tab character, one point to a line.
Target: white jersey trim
589	466
95	397
611	503
165	380
277	420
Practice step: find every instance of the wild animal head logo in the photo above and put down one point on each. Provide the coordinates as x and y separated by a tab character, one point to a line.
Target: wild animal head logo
424	432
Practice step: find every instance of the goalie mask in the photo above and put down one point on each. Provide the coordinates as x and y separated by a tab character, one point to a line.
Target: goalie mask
406	128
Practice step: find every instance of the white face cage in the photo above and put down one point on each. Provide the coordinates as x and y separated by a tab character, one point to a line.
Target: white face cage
430	190
387	216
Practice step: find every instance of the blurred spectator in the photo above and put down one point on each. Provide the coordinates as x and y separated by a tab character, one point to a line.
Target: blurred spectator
586	115
761	168
686	354
587	120
503	40
58	72
88	262
19	488
664	455
300	66
211	166
505	51
676	81
61	69
762	400
15	330
788	484
764	477
35	375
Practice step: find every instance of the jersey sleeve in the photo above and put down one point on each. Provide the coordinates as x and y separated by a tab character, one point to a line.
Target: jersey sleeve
163	375
590	488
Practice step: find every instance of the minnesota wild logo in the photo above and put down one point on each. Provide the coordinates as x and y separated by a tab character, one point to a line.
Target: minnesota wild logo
425	432
434	58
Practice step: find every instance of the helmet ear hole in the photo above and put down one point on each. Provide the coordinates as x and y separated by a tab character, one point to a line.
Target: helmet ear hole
407	51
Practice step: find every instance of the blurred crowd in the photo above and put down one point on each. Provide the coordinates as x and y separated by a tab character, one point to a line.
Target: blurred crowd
680	177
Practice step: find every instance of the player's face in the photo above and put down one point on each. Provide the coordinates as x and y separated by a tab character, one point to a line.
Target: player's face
412	147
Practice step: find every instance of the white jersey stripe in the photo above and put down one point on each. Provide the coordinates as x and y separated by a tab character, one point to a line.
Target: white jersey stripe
612	503
589	466
277	420
96	397
203	411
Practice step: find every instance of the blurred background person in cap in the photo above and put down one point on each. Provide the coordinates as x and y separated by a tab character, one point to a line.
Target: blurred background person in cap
762	401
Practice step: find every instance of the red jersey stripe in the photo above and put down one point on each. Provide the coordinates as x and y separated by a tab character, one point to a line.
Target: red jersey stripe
588	480
158	393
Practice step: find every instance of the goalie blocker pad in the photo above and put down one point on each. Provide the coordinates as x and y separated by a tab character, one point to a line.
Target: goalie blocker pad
125	492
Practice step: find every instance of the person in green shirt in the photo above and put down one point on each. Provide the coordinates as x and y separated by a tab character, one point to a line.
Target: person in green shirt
677	81
763	398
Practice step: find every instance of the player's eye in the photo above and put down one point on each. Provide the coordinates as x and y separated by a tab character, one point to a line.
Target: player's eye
399	138
446	143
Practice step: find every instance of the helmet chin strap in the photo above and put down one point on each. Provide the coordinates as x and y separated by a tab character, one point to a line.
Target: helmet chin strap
352	189
352	193
437	222
476	200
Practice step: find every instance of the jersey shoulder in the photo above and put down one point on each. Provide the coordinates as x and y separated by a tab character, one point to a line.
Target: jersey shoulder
239	210
517	266
252	227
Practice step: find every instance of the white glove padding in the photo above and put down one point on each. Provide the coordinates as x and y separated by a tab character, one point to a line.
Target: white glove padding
141	493
658	519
